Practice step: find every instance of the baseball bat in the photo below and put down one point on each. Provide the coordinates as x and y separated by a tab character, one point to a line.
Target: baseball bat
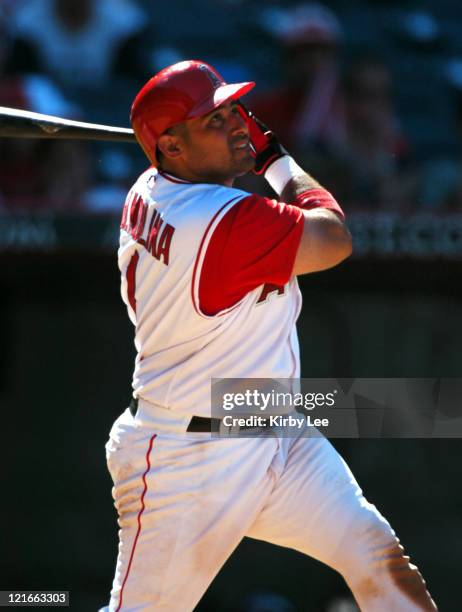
16	123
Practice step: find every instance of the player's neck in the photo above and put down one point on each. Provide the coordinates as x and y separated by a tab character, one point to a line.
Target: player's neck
184	174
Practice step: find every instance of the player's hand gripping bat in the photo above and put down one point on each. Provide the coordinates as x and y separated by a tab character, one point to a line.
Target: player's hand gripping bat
15	123
265	143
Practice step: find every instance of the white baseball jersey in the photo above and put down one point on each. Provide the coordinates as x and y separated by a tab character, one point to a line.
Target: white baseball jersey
194	260
166	230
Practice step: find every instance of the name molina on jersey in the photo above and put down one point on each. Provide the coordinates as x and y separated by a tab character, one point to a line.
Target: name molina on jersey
159	234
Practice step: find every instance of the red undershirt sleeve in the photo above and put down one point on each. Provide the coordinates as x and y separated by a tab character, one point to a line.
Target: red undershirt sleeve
255	243
318	198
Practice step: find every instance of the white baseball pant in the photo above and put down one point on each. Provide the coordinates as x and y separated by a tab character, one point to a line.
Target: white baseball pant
186	500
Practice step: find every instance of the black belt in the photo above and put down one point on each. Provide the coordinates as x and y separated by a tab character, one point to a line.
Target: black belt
197	424
203	424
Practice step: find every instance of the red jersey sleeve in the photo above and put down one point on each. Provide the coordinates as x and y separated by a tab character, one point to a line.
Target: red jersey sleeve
255	243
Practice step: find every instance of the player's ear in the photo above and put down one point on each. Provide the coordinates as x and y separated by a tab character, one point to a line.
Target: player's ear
170	145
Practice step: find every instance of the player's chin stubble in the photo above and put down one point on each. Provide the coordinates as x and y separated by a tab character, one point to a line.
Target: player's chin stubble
235	167
245	164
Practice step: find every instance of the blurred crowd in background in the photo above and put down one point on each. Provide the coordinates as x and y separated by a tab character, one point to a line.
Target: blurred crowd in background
367	95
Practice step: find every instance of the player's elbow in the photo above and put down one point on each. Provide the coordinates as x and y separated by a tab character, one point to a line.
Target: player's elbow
339	245
326	243
343	244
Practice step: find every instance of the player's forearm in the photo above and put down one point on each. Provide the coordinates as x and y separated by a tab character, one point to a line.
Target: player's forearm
288	179
297	187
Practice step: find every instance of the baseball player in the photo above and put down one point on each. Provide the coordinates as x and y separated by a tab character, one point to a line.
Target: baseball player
209	281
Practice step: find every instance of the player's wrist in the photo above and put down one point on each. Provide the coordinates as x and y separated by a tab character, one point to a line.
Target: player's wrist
281	171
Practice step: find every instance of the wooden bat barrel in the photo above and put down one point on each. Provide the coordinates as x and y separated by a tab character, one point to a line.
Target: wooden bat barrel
16	123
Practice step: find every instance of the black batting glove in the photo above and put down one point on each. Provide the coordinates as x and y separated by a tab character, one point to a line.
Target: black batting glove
264	142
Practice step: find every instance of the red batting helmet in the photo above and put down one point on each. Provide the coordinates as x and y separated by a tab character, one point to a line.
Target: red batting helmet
183	91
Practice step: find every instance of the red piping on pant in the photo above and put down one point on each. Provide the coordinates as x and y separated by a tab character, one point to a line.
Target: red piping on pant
138	531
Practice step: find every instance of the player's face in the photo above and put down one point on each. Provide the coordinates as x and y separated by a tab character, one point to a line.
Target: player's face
216	147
